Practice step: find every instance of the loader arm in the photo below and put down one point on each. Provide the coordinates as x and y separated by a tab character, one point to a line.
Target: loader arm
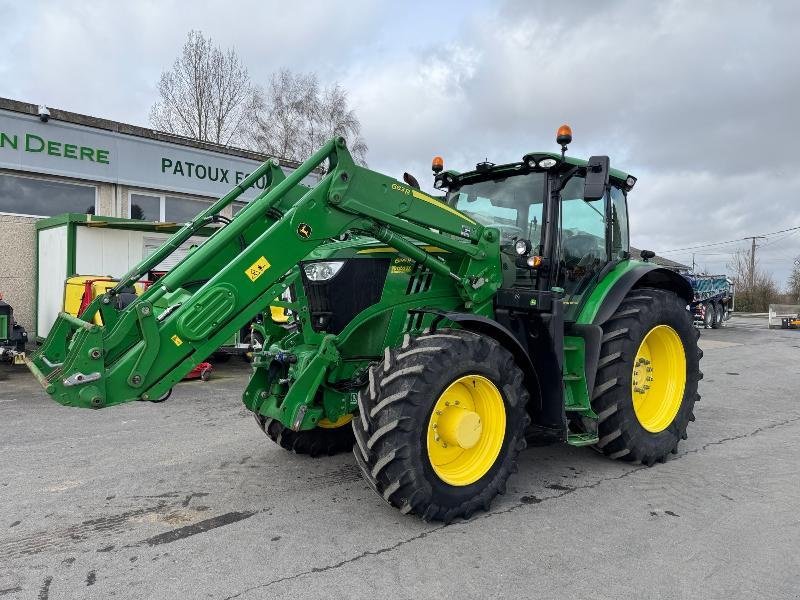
142	350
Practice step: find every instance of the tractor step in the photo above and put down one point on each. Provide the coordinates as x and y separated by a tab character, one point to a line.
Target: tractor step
582	439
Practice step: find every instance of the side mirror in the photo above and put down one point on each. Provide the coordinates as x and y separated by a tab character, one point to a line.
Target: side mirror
596	182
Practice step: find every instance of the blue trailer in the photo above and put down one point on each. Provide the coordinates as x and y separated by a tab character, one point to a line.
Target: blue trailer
713	298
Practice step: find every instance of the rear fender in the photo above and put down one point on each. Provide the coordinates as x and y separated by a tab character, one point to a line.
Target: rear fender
606	298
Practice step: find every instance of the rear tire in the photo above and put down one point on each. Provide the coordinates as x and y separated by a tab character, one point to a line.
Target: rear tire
320	441
650	431
401	452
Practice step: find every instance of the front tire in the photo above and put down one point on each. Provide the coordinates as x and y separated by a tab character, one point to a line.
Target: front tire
646	384
441	424
326	440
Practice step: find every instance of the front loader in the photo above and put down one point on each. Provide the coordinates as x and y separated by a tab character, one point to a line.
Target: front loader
437	333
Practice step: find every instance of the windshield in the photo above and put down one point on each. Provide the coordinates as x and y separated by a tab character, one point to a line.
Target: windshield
512	204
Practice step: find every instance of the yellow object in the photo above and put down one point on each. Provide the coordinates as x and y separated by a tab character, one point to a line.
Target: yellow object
425	198
466	430
75	288
257	269
659	378
383	249
176	340
340	422
278	314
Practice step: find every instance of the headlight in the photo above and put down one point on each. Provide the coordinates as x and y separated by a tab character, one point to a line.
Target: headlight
531	163
322	271
522	247
547	163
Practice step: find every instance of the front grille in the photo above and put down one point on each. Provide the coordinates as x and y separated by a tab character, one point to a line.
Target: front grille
357	285
420	279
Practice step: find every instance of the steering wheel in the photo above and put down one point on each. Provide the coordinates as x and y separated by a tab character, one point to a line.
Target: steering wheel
579	249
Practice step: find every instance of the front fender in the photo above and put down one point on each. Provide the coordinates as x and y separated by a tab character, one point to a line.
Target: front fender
493	329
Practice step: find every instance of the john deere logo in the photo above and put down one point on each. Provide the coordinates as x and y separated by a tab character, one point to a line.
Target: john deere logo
304	230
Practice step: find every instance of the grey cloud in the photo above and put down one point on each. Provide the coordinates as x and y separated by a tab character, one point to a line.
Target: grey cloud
698	99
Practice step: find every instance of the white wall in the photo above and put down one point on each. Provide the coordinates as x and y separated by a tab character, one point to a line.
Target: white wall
52	274
98	251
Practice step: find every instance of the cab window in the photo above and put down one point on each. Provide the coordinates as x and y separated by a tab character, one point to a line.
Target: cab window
512	204
620	244
583	252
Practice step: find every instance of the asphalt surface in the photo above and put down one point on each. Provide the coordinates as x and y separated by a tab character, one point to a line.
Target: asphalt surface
188	499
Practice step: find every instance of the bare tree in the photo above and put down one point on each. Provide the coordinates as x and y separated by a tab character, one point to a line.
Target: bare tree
794	282
755	288
298	116
207	95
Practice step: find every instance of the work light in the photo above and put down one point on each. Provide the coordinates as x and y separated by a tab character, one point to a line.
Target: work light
322	271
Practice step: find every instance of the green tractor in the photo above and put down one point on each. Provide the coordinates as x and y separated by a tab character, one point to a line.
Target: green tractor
433	336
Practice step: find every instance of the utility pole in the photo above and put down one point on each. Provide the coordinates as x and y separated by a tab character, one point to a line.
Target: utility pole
753	259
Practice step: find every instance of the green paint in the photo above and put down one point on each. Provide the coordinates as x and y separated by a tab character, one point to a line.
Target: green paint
594	298
6	140
35	144
207	172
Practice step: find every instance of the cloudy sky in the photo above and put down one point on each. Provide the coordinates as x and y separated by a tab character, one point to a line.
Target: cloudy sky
700	100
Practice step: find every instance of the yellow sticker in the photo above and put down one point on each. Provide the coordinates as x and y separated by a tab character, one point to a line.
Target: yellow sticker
401	269
257	269
176	340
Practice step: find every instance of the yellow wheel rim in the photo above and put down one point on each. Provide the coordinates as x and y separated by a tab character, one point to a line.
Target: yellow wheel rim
343	420
659	378
466	430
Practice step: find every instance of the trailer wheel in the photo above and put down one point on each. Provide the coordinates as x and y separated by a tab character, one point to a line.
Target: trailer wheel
709	315
718	315
728	311
646	384
327	439
441	424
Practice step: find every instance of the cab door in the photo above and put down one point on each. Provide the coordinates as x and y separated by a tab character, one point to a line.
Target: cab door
583	245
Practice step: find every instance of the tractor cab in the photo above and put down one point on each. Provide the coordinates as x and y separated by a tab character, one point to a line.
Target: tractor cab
562	221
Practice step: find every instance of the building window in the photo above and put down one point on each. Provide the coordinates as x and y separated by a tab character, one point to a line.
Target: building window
44	197
155	207
182	210
145	207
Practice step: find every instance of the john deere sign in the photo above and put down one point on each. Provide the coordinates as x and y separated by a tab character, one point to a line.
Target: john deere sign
57	148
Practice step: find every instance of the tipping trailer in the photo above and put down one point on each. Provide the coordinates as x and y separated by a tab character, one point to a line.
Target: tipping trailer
713	300
438	333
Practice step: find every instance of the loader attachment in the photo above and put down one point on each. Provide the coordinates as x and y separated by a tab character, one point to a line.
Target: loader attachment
143	349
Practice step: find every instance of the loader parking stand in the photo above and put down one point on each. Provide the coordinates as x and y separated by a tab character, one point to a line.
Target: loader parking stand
478	392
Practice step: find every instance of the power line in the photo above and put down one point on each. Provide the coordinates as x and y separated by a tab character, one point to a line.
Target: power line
743	239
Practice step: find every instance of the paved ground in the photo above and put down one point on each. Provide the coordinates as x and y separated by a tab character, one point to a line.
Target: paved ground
189	500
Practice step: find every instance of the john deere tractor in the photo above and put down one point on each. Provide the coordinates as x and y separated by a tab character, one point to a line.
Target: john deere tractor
439	332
